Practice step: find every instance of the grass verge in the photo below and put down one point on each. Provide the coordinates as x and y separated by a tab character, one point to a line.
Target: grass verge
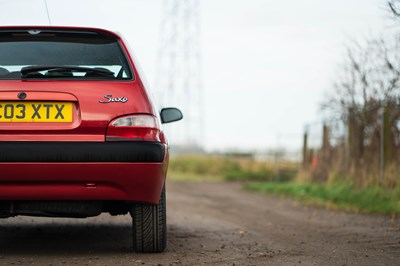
338	196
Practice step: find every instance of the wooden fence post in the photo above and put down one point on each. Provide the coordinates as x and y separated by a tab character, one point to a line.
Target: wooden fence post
353	140
305	151
387	136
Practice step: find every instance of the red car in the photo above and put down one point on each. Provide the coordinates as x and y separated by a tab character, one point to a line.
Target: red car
79	132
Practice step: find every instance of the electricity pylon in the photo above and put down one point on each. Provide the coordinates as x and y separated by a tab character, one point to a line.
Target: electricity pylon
178	74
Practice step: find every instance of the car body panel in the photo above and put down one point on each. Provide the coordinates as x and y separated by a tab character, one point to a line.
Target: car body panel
141	182
133	181
91	116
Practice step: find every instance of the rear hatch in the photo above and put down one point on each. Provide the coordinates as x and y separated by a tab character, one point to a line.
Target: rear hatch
63	84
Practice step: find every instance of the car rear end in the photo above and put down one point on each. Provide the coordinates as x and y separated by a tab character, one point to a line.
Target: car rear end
79	134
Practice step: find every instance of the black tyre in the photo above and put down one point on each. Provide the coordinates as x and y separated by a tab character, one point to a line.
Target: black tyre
150	226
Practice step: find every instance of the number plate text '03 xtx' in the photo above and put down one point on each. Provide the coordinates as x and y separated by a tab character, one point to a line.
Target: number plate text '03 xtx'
15	112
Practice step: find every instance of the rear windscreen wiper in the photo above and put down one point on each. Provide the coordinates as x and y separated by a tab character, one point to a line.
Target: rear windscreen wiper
31	71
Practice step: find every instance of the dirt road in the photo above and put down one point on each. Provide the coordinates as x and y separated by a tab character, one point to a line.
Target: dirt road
213	224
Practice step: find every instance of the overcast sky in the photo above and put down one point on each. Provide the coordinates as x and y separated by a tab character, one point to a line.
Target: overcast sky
266	63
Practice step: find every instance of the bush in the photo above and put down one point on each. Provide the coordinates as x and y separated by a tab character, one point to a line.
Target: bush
241	174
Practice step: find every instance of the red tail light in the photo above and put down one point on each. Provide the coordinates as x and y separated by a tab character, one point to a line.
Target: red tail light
134	127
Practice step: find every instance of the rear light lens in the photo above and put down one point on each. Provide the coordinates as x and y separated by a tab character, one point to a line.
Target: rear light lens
134	127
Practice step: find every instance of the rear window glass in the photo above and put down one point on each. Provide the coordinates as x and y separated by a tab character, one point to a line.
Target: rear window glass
46	54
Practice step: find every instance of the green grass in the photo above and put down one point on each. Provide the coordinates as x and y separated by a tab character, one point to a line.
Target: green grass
337	196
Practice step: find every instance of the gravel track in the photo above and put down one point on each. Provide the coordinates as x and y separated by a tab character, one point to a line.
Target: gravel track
213	224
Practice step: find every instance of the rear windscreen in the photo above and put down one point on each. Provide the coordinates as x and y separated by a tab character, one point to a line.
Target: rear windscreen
72	52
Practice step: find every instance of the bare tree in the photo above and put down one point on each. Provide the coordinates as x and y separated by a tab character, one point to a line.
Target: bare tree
368	77
365	95
368	80
394	7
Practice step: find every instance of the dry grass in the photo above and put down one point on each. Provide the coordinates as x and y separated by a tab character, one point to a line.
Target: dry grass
228	168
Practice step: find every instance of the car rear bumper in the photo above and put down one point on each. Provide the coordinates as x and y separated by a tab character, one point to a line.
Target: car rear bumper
123	171
125	151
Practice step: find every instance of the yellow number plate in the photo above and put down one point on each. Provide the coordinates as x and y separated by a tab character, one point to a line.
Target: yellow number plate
16	112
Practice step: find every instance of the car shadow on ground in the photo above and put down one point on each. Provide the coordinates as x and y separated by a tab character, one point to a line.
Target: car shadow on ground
60	238
80	237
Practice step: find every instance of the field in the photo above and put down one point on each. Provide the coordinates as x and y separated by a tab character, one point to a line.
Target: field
217	168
